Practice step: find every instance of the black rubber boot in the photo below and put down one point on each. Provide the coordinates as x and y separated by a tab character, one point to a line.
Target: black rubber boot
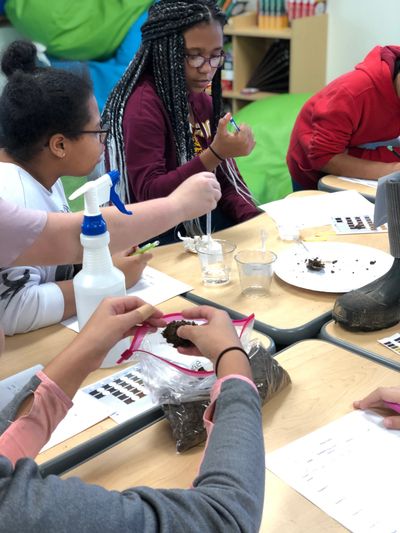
376	305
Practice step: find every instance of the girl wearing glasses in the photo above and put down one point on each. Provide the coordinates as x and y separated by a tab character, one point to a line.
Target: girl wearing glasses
164	125
50	128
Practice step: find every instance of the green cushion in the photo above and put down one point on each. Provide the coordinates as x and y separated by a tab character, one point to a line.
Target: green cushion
271	119
76	29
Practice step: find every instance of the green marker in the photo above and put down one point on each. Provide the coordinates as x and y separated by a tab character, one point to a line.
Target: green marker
147	247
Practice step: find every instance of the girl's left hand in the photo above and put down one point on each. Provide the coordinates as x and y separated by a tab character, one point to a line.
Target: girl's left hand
131	265
227	144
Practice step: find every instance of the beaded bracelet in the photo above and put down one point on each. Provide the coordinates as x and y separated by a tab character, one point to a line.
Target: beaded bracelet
216	155
230	349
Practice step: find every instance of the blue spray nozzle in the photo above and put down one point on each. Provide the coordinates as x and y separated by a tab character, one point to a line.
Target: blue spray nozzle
114	198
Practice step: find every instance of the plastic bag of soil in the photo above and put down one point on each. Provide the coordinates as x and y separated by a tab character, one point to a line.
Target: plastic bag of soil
186	418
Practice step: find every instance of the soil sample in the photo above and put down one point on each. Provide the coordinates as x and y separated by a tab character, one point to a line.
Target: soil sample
169	333
315	264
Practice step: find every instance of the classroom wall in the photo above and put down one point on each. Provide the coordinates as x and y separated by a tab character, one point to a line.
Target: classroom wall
356	26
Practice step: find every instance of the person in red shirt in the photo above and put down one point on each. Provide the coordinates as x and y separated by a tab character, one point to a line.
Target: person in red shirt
164	125
359	108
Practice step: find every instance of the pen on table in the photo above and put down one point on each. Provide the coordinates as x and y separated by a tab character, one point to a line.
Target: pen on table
147	247
233	122
393	405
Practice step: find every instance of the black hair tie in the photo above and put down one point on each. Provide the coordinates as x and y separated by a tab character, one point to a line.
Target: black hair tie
216	155
230	349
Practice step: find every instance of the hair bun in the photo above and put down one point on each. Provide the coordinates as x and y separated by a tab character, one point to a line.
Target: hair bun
20	55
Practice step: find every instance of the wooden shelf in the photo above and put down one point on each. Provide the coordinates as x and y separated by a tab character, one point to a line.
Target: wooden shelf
308	50
249	97
285	33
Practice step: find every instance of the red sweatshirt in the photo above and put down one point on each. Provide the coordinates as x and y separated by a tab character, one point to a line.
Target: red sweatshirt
150	151
359	107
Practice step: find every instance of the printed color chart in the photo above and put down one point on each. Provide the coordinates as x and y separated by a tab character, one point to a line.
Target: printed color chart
124	391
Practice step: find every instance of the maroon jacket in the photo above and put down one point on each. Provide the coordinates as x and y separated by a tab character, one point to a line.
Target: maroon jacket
151	155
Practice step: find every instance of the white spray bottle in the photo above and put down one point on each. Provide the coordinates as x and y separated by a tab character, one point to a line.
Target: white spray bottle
99	278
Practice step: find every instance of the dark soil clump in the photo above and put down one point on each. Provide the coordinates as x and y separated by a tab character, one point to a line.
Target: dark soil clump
315	264
169	333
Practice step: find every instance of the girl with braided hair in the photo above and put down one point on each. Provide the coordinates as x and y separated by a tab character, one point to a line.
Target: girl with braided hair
164	126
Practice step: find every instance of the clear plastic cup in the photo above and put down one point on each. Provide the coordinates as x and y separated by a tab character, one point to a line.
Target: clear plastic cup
216	261
288	232
256	268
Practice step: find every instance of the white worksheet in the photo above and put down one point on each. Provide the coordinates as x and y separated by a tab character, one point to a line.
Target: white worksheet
10	386
153	287
368	183
124	393
312	211
356	224
349	468
85	413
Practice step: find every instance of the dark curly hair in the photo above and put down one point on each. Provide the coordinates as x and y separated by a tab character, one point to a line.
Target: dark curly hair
38	102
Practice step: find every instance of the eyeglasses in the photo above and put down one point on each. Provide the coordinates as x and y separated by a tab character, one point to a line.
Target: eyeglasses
198	61
103	133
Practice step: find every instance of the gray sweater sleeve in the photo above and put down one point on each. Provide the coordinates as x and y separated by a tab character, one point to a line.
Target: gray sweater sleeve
7	415
227	495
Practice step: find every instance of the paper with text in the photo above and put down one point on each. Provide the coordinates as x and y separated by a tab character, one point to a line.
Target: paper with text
85	413
368	183
314	211
349	468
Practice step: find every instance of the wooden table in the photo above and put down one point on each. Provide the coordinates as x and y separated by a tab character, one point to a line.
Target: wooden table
363	343
288	313
333	184
40	347
325	381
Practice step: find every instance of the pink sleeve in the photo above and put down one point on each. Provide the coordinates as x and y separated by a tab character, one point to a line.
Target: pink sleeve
209	412
28	434
19	228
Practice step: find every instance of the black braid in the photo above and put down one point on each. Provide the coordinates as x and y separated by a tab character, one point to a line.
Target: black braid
162	53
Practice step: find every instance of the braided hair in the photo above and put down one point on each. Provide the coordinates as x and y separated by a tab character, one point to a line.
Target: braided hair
162	53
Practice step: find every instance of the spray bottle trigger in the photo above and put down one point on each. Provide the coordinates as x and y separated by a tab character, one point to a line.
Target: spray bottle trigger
115	199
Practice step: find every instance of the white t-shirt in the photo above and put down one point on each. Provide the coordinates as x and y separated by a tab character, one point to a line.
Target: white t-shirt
29	298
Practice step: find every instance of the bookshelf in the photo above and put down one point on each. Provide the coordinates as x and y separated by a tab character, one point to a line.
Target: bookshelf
308	52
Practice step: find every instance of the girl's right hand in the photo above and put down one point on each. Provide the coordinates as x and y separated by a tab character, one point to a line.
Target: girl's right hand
197	195
226	144
113	320
211	338
377	398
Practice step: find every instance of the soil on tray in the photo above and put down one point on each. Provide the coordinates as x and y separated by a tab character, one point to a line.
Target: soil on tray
169	333
315	264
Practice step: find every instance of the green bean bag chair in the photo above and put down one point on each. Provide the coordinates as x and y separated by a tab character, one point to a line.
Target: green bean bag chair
76	29
271	119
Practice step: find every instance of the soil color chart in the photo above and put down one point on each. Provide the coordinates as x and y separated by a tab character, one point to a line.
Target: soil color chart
393	342
356	224
124	391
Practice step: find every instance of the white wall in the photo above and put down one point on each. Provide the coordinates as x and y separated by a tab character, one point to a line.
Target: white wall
355	27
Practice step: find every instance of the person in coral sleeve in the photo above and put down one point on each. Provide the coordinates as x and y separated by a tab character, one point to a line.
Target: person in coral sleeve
345	128
226	495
